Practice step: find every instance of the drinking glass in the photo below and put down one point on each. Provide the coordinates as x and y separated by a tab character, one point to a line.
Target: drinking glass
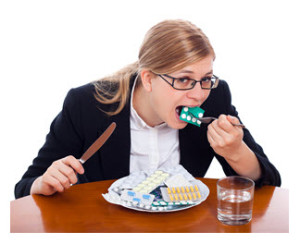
235	200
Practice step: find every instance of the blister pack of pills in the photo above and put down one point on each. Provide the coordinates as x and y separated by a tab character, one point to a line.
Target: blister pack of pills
151	182
153	191
192	115
181	194
129	197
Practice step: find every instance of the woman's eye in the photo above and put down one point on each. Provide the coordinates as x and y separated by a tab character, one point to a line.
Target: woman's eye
183	80
206	79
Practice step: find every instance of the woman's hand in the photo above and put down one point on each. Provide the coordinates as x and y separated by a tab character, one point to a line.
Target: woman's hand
58	177
225	138
227	141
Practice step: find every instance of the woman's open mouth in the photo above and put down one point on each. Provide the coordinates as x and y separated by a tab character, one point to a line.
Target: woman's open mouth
178	110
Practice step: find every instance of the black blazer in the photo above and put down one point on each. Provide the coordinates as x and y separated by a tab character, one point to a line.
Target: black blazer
81	121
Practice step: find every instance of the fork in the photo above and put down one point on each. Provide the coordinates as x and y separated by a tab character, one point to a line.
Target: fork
207	120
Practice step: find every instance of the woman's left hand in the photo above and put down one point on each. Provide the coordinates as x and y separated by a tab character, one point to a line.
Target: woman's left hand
225	138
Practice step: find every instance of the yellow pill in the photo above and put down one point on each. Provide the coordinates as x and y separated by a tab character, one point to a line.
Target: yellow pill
196	188
176	197
178	190
194	195
171	198
192	189
182	189
187	189
173	190
189	195
198	193
169	191
184	196
180	197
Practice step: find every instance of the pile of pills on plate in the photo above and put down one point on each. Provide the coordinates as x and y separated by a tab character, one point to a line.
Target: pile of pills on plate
151	182
192	115
179	194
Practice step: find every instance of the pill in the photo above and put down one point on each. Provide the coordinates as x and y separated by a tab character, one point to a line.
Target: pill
157	181
185	109
192	189
147	188
136	199
182	189
198	193
180	197
194	195
187	189
173	190
151	185
189	196
198	122
131	193
171	198
183	116
147	197
177	189
196	188
188	117
169	191
176	197
184	196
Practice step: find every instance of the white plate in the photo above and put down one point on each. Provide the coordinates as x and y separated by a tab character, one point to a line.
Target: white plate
114	191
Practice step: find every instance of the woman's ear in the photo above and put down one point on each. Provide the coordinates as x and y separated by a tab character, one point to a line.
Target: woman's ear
146	78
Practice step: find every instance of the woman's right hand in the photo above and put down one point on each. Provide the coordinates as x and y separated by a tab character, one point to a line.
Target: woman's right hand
58	177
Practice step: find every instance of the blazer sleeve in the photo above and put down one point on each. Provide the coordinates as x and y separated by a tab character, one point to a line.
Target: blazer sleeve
270	175
63	139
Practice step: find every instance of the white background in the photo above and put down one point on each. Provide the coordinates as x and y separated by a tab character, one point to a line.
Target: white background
48	47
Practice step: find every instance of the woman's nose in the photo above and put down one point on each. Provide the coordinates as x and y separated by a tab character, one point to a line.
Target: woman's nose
197	93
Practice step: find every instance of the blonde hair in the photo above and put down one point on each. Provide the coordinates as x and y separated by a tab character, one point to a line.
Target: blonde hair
167	47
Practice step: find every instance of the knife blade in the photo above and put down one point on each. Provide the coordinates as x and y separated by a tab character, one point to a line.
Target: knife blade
98	143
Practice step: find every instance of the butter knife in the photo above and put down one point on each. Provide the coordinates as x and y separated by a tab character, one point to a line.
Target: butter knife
98	143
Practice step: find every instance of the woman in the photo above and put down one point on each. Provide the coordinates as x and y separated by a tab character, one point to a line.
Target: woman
174	69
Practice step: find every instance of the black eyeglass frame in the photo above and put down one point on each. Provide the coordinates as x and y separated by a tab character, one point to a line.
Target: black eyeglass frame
214	85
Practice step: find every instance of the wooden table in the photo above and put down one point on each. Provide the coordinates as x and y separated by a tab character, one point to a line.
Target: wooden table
83	209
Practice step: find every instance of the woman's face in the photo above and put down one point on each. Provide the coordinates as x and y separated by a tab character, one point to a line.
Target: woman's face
165	102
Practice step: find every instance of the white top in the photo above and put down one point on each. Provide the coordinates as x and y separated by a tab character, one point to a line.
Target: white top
151	147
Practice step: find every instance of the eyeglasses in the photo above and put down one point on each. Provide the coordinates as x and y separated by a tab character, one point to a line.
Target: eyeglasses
207	83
